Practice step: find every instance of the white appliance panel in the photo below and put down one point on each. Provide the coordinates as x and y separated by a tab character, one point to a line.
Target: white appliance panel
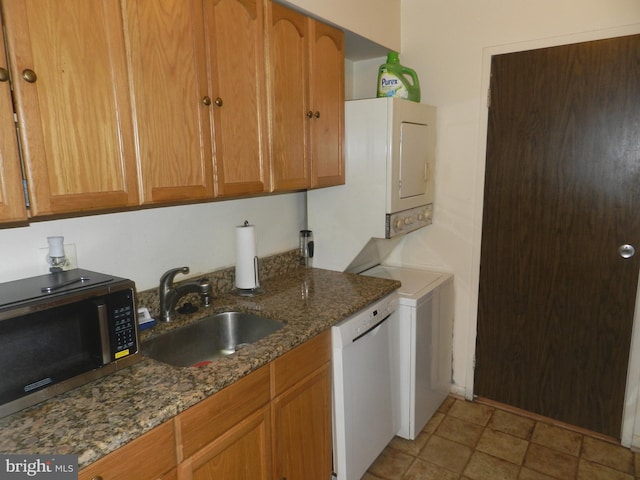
344	218
425	397
415	282
412	142
425	343
365	387
414	161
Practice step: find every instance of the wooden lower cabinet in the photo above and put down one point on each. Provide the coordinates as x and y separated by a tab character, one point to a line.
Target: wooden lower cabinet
241	453
301	429
149	457
301	411
210	419
275	423
172	475
296	422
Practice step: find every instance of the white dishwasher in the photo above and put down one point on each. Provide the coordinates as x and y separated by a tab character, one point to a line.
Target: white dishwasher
365	386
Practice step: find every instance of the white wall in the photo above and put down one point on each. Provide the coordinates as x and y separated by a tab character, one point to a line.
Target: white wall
449	44
376	20
363	82
143	244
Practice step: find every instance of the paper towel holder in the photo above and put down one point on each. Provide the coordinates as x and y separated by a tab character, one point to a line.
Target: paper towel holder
251	292
256	289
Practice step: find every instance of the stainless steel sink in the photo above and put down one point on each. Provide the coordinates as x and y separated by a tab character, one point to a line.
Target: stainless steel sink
209	339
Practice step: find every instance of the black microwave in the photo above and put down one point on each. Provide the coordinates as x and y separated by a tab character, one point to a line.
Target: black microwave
61	330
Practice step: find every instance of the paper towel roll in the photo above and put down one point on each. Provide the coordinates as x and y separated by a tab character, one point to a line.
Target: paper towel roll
246	257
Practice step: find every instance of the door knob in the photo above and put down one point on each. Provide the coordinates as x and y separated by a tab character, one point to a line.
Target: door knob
4	75
626	250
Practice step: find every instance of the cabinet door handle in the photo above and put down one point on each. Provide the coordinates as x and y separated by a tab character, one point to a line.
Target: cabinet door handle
97	477
207	101
309	114
4	75
29	75
316	114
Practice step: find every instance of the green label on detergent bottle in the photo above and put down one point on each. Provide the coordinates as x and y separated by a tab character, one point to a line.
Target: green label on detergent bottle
395	80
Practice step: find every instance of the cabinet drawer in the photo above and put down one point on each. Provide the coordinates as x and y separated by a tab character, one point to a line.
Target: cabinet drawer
145	458
293	366
241	453
209	419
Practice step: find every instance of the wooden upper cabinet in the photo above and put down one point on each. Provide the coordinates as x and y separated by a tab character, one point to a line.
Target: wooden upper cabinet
326	87
235	47
12	201
288	70
166	46
306	100
128	102
71	95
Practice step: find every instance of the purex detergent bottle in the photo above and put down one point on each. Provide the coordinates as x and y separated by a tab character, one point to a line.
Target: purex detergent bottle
395	80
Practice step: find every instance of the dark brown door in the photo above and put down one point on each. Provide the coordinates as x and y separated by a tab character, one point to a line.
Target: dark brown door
562	194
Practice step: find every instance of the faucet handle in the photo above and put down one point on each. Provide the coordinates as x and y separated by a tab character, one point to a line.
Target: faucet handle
205	286
205	291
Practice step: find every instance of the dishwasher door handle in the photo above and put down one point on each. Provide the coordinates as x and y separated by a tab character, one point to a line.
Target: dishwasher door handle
373	327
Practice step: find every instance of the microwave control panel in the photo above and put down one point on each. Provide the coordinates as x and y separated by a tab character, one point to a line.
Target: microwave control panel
122	320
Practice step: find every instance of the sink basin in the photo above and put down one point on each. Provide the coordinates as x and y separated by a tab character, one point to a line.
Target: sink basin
209	339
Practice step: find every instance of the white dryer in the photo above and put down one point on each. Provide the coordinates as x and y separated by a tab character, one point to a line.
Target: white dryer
425	342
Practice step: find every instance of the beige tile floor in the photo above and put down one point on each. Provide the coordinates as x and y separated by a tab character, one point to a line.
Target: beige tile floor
473	441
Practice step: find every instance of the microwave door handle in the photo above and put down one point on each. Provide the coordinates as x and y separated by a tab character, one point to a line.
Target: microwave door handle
105	344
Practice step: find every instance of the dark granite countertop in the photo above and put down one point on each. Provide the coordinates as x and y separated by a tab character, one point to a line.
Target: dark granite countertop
101	416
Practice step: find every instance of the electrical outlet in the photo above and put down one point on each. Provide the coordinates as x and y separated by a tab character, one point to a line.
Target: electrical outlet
69	252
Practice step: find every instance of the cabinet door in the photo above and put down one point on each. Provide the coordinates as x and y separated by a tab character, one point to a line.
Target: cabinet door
145	458
204	422
12	202
302	429
172	475
72	99
326	82
241	453
288	68
166	55
236	66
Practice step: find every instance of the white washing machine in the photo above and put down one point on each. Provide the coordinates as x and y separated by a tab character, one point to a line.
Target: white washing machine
425	342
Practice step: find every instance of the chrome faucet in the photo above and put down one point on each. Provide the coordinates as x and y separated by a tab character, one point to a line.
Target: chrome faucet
170	293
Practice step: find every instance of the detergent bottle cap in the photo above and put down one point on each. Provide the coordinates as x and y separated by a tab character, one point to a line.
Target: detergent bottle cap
392	57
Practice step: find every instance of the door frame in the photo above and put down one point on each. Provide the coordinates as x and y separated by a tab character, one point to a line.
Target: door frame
630	434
